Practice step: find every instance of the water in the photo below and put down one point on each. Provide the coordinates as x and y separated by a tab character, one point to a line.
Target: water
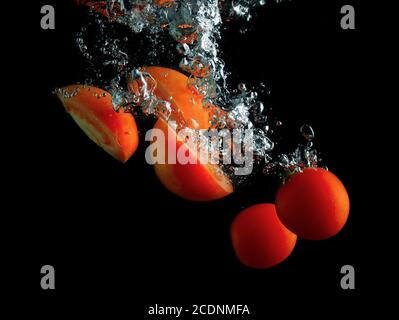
307	132
195	27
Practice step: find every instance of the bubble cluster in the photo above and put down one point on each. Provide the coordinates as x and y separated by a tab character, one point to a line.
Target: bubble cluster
195	27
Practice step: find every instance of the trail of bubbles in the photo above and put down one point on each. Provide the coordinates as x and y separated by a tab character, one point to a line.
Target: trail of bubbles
195	26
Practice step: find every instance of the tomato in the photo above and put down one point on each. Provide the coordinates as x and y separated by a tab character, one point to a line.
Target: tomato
187	104
259	238
194	181
313	204
92	110
97	5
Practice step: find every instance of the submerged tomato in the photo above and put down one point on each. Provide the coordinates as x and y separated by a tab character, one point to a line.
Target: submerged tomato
93	111
195	180
259	238
313	204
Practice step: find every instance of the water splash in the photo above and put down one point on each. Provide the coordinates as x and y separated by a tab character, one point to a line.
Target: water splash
195	27
304	156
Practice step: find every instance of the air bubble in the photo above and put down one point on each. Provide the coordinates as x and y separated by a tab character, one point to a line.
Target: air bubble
242	87
307	132
183	48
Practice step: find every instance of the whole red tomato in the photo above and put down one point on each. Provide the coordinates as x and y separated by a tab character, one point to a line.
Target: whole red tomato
259	239
313	204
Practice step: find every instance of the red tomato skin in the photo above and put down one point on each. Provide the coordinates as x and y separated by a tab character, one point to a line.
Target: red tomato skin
313	204
259	239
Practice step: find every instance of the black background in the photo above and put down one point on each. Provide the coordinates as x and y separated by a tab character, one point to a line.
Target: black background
120	242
